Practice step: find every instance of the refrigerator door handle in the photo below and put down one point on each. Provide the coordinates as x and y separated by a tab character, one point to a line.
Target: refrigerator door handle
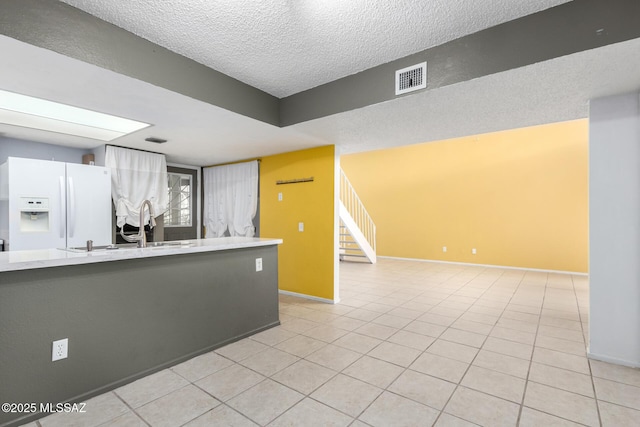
62	207
72	207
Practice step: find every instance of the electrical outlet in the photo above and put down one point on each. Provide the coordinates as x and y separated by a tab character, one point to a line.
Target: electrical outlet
301	226
279	197
258	264
444	249
60	349
473	251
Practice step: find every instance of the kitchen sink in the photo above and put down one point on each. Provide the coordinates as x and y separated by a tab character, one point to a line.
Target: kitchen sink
150	245
174	244
81	249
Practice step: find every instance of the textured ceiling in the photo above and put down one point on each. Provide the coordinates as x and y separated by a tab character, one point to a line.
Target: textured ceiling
286	46
547	92
290	46
202	134
198	133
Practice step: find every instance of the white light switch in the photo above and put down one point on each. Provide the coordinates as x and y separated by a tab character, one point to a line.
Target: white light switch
444	249
473	251
279	197
301	226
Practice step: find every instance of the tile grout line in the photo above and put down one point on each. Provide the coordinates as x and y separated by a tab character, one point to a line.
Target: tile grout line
316	388
458	384
533	349
224	403
447	287
131	408
556	388
593	383
341	372
504	309
407	368
488	335
539	316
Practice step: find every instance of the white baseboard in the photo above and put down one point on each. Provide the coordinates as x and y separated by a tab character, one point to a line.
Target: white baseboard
613	360
487	266
311	297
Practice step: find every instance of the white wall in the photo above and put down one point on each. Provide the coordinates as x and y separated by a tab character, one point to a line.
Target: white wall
614	229
100	154
10	147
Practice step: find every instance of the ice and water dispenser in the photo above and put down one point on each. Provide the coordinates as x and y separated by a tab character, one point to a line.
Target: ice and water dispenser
34	214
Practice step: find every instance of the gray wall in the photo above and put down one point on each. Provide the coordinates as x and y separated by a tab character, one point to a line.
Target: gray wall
614	229
568	28
10	147
126	319
100	154
61	28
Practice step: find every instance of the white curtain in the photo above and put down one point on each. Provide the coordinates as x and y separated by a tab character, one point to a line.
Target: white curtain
137	176
231	199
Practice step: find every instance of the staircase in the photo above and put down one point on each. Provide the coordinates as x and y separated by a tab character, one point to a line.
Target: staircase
357	229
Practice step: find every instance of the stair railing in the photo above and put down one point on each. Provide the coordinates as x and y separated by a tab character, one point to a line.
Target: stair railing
356	209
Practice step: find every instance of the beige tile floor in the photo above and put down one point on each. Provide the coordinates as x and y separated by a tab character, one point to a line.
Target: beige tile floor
410	344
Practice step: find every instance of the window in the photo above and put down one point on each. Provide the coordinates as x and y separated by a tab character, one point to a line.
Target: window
179	212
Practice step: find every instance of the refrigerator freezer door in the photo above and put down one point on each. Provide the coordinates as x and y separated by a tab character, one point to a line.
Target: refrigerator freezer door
89	208
31	181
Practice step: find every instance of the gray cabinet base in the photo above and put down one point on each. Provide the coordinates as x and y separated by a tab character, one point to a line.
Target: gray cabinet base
125	320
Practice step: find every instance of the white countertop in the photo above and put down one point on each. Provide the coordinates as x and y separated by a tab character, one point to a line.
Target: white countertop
28	260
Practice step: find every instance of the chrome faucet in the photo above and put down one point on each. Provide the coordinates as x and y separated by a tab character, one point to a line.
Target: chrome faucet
141	237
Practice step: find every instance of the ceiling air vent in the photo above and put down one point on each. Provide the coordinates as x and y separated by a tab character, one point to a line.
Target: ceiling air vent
155	140
411	78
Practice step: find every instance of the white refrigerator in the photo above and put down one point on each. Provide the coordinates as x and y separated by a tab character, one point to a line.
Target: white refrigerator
46	204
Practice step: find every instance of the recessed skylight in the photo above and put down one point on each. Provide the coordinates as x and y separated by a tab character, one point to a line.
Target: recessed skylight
26	111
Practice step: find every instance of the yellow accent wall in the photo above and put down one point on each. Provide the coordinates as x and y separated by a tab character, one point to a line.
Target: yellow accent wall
305	259
519	197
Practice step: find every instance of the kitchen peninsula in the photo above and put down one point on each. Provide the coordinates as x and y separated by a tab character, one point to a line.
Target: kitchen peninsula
126	312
